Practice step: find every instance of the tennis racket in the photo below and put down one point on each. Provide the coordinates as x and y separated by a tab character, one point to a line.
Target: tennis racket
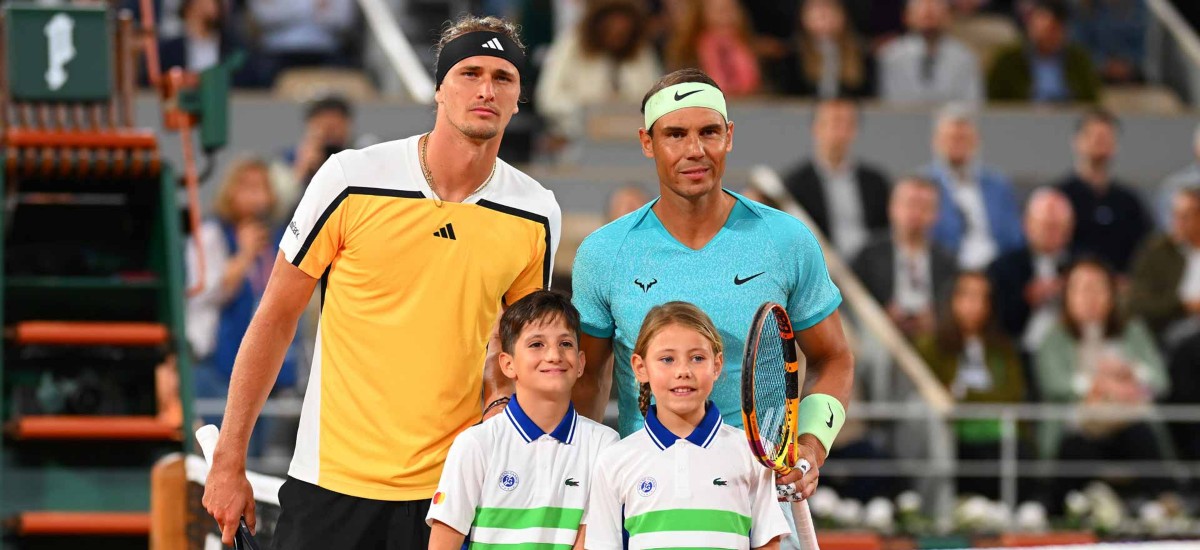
771	406
207	436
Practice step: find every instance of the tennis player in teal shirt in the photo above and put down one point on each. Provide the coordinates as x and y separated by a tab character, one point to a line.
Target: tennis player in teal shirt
703	244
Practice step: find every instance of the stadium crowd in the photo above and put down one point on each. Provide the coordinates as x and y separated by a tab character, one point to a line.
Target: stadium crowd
1081	292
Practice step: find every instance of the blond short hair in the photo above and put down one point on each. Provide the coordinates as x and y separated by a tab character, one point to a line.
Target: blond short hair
223	201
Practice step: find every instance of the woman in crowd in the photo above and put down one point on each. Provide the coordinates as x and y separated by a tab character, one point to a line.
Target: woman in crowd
1094	358
828	59
239	250
716	37
607	58
978	364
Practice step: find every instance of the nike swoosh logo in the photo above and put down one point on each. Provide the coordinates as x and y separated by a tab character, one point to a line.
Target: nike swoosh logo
680	97
830	422
739	281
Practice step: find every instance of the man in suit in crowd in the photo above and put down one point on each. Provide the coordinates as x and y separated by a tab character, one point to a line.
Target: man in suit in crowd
846	198
1027	282
1166	274
903	269
978	217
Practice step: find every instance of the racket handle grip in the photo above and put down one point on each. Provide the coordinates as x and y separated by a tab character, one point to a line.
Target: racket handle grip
805	531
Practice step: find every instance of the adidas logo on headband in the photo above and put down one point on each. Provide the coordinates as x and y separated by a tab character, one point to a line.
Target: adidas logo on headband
493	44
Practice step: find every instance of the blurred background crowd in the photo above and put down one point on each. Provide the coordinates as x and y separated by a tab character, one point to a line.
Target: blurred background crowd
1019	276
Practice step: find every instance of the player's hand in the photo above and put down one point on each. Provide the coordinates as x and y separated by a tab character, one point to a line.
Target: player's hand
810	449
228	496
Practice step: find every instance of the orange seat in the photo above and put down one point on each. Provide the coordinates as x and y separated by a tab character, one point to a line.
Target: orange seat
109	139
145	428
833	540
89	333
83	523
1026	540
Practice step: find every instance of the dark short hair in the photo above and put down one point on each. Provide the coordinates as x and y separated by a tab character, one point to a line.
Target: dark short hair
1114	323
681	76
329	103
1097	114
839	99
919	181
538	306
1057	8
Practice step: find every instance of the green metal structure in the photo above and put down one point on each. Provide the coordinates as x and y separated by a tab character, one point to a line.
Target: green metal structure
92	291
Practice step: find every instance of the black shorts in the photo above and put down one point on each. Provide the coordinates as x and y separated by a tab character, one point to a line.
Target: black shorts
315	518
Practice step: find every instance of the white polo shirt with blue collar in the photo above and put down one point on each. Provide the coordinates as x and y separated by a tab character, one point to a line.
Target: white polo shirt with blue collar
657	490
506	482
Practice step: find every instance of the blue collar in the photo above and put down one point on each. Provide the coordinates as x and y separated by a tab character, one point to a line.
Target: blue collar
704	433
565	432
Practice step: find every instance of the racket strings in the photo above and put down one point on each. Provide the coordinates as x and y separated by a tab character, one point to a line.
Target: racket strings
770	395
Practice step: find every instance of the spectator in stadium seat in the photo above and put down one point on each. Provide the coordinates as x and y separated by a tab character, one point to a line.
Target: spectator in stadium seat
1165	277
1114	31
846	198
1186	177
238	258
827	59
304	33
605	59
206	41
1110	220
927	65
978	364
978	218
904	270
716	37
1095	357
1045	67
328	130
1028	281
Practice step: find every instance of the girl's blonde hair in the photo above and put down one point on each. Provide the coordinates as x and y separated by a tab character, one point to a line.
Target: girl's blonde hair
223	202
660	317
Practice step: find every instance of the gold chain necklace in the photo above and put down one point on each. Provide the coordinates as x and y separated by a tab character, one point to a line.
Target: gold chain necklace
437	200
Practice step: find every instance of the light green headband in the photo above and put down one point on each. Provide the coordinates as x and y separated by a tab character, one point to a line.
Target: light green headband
682	96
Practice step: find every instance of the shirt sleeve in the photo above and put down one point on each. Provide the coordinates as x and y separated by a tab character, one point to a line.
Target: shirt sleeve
604	438
315	235
814	297
589	290
604	510
766	519
458	492
536	274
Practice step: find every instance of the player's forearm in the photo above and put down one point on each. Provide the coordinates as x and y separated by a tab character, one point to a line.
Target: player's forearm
495	384
444	537
591	390
590	394
254	371
833	375
580	537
